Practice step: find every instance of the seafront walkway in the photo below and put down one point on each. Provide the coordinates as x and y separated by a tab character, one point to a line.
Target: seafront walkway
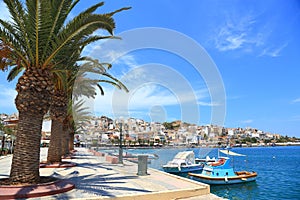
96	178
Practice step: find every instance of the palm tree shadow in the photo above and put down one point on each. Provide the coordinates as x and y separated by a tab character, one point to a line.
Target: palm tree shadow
81	157
110	183
94	165
101	185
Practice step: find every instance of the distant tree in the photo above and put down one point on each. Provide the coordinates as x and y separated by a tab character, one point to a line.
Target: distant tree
266	141
134	142
140	141
287	137
168	125
249	140
112	141
253	140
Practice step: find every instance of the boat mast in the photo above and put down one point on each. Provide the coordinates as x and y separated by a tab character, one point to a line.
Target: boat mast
228	147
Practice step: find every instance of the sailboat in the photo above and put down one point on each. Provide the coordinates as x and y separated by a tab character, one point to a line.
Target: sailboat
221	172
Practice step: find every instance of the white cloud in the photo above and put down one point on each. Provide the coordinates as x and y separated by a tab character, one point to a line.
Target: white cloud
296	100
150	95
236	34
144	99
150	85
128	60
7	99
248	121
246	33
273	51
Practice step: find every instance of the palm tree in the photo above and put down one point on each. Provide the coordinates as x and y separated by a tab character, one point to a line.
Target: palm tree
35	40
78	113
60	133
82	85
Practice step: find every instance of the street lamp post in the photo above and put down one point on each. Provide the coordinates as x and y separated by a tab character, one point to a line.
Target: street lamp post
97	137
120	145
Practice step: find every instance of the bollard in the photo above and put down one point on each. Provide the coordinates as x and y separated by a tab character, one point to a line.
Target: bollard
142	165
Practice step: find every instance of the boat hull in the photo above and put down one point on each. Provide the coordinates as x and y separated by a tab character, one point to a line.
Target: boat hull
185	169
241	177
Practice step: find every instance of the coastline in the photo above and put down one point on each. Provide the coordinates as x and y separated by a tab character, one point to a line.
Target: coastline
198	146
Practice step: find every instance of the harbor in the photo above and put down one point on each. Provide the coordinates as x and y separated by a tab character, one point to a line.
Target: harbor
96	178
271	182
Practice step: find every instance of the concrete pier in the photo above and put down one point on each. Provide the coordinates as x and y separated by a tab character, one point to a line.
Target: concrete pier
96	178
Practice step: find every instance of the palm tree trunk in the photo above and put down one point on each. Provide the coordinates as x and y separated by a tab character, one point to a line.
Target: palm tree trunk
65	142
71	141
65	134
54	151
34	89
58	112
26	157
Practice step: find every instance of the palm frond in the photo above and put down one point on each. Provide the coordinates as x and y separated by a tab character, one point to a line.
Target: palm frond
18	14
122	86
91	9
110	82
80	113
14	72
80	28
119	10
59	13
17	51
101	89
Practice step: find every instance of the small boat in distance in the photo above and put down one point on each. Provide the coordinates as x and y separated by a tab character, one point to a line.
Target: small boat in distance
220	172
183	162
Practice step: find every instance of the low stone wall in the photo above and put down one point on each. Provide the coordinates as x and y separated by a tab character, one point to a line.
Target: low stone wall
112	159
108	158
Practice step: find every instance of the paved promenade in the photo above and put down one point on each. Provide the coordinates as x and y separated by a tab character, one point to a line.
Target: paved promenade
95	178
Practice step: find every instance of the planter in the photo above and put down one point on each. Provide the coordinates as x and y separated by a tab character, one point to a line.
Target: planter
4	152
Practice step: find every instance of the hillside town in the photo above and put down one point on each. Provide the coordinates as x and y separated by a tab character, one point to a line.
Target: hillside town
104	131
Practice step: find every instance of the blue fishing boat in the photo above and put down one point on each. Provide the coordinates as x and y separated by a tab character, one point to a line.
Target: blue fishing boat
183	162
221	172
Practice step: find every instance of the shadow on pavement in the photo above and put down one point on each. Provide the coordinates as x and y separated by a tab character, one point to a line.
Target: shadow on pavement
103	184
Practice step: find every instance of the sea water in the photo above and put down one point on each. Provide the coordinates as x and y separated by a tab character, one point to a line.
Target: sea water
278	171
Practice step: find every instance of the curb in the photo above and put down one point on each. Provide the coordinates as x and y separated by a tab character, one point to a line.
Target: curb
58	165
37	190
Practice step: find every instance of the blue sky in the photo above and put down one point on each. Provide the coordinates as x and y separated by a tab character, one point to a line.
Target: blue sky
254	46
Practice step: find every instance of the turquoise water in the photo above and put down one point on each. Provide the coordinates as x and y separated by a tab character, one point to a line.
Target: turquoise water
278	171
